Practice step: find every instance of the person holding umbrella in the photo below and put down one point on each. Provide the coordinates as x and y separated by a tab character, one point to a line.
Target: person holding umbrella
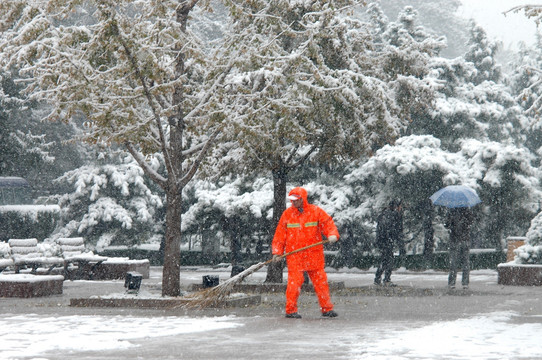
459	200
459	221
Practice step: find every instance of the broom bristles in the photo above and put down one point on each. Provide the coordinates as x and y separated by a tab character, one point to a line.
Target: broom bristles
216	295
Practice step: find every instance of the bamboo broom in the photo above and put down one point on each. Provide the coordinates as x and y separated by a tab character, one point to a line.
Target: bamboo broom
216	295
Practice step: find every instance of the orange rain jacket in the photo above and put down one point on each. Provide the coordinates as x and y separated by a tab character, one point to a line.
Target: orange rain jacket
298	229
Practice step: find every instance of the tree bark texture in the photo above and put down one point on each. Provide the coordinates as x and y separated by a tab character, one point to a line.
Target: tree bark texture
171	285
274	270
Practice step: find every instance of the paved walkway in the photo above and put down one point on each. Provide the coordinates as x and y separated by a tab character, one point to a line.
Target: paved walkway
420	299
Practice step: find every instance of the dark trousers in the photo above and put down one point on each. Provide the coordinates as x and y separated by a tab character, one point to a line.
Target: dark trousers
386	265
459	255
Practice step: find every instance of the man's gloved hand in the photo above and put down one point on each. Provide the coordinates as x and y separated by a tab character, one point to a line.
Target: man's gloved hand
332	239
276	258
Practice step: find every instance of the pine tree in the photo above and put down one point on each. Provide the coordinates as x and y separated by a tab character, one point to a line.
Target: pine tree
473	100
30	148
110	202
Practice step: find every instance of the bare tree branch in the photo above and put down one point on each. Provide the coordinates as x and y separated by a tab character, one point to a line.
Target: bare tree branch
192	171
149	97
303	158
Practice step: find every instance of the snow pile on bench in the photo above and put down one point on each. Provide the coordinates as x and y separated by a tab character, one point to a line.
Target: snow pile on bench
26	252
74	249
5	256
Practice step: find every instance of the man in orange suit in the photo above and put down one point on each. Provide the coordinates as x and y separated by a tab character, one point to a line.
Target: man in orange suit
301	225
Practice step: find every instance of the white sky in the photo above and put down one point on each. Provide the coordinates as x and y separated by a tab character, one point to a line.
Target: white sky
511	29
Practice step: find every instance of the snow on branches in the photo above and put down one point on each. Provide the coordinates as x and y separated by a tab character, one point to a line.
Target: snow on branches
111	202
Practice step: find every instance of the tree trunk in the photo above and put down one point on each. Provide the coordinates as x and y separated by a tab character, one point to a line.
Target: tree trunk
274	270
171	284
171	274
428	231
346	246
231	228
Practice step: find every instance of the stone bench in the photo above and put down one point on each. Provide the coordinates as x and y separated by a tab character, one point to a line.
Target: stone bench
116	268
28	285
26	253
79	263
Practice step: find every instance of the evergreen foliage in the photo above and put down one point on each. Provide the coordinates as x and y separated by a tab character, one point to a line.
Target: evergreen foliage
112	203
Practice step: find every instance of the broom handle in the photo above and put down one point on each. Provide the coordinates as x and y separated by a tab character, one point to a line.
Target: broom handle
298	250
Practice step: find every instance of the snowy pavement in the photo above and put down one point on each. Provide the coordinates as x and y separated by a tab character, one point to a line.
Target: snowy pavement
488	321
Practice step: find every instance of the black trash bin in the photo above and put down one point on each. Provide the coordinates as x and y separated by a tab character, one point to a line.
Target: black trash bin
236	269
210	281
133	281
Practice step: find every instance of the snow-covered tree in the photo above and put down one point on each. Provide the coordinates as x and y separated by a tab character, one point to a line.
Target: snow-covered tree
527	79
404	50
508	186
526	82
138	75
481	53
531	11
439	17
110	203
30	148
309	85
411	170
473	100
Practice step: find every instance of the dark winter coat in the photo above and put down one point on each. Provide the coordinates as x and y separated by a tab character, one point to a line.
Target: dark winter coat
389	229
459	221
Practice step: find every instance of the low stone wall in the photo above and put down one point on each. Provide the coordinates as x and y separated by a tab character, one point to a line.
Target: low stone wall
27	285
518	274
114	269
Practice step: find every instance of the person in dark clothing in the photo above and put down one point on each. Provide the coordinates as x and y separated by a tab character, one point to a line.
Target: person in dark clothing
389	231
459	221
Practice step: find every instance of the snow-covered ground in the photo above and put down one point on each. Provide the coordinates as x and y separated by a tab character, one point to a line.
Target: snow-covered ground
489	322
488	336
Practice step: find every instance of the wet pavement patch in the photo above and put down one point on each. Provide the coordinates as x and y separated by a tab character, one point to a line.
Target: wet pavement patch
155	303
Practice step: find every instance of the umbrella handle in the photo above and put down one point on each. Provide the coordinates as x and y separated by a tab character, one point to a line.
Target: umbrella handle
298	250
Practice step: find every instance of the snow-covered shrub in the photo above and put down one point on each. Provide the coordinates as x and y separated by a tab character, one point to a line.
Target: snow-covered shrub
49	249
531	252
534	235
23	221
112	203
5	250
240	210
528	254
236	208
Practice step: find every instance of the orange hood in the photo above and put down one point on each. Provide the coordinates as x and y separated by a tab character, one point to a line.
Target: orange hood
299	191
